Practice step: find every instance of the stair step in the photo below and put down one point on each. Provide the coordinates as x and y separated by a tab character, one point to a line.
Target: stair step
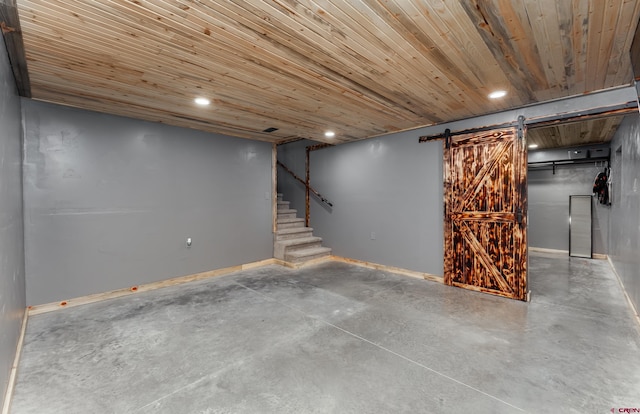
284	247
289	220
293	233
303	255
286	216
289	223
301	243
294	242
287	213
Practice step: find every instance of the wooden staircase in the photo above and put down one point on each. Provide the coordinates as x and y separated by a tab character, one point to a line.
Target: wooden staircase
294	242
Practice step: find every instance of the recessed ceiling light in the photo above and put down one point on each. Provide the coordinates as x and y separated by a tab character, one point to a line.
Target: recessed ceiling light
497	94
329	134
202	101
533	146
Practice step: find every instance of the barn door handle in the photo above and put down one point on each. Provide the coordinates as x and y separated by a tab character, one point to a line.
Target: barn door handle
519	216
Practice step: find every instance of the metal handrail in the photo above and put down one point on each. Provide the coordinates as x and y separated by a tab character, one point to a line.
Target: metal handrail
320	196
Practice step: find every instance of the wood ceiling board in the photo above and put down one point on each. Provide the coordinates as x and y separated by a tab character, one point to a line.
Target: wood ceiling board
594	131
454	60
280	95
628	21
363	68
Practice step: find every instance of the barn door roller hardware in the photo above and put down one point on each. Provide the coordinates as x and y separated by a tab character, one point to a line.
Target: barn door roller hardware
521	127
448	133
544	121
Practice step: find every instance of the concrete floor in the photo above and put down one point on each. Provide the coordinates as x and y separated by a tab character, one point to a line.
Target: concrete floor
336	338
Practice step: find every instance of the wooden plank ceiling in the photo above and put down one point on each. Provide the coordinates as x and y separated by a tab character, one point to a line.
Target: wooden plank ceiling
595	131
361	67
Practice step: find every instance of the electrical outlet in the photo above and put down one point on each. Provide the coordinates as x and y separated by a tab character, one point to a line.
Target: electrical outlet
188	241
373	235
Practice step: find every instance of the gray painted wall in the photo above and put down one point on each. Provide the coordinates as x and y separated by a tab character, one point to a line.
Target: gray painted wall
110	202
549	206
390	186
624	243
12	277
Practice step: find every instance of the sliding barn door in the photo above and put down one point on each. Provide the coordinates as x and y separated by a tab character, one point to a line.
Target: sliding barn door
485	193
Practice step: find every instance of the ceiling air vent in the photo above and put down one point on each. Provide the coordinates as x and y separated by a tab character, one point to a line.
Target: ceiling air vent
270	129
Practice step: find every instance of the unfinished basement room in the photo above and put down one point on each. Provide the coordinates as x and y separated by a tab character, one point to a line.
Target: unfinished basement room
304	206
